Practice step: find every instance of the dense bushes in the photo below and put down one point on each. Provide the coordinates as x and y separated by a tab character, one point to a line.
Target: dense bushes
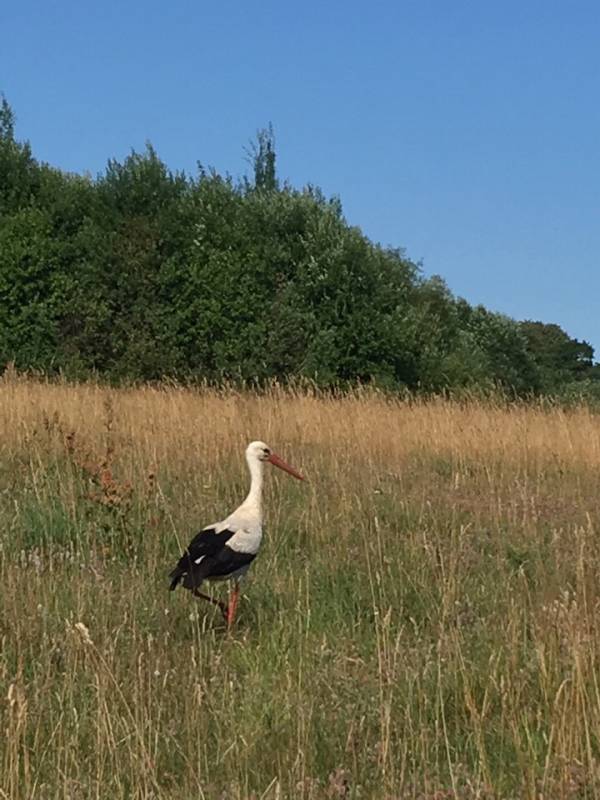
143	273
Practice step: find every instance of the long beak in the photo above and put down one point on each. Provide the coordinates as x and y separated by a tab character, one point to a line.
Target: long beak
279	462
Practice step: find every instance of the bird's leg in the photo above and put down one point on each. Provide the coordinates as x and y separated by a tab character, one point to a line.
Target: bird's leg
233	601
212	600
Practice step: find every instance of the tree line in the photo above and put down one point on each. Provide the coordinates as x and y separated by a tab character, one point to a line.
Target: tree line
142	273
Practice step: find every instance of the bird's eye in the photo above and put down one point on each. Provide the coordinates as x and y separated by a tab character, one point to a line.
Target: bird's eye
266	451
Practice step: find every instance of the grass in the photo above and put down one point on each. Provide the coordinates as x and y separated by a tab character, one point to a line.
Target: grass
423	620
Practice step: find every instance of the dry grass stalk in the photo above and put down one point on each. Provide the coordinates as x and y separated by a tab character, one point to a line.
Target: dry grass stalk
422	621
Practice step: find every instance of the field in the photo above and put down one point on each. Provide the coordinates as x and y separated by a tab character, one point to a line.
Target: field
423	620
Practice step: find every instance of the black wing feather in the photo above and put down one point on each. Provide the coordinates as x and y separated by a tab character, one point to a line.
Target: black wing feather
229	560
207	543
224	563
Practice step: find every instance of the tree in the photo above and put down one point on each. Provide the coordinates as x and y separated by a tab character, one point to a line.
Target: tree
7	120
143	273
261	155
559	357
495	350
19	172
30	291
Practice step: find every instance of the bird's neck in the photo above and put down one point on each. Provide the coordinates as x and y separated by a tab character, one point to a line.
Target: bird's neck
254	499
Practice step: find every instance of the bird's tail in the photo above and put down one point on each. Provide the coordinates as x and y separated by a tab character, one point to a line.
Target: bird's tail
176	577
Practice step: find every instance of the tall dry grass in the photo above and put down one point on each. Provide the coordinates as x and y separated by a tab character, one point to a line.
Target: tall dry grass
422	621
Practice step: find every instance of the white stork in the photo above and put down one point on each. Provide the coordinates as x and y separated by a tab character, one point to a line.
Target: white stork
225	550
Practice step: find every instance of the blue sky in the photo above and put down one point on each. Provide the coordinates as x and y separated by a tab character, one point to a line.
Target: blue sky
466	132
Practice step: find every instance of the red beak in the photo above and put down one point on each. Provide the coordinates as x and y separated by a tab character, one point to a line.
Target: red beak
279	462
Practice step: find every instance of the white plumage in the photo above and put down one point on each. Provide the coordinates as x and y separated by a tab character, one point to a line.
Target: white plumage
225	550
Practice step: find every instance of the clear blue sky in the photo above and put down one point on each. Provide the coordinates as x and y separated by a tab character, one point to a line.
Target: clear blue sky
466	132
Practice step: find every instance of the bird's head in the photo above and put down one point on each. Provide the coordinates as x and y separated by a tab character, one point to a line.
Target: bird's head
259	451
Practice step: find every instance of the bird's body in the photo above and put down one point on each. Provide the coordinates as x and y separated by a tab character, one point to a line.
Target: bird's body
219	552
226	549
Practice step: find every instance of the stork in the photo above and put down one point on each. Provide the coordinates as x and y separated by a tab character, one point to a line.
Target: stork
225	550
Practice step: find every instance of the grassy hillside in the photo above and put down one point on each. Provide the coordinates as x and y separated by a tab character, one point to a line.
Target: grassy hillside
422	621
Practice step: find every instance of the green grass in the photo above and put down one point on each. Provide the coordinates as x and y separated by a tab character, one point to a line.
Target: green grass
422	621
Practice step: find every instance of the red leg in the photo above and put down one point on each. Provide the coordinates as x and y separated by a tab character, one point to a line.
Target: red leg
233	601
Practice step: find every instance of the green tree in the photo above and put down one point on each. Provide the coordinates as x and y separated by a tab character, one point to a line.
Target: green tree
118	318
261	155
143	273
559	357
19	171
30	291
503	346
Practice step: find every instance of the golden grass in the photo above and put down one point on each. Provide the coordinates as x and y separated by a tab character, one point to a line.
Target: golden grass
422	621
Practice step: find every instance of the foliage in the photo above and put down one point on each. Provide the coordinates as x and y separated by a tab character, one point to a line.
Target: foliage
560	358
142	273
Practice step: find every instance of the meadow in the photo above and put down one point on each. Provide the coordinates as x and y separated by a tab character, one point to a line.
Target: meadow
422	621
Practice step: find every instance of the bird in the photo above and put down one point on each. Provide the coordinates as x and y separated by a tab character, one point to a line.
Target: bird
225	550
